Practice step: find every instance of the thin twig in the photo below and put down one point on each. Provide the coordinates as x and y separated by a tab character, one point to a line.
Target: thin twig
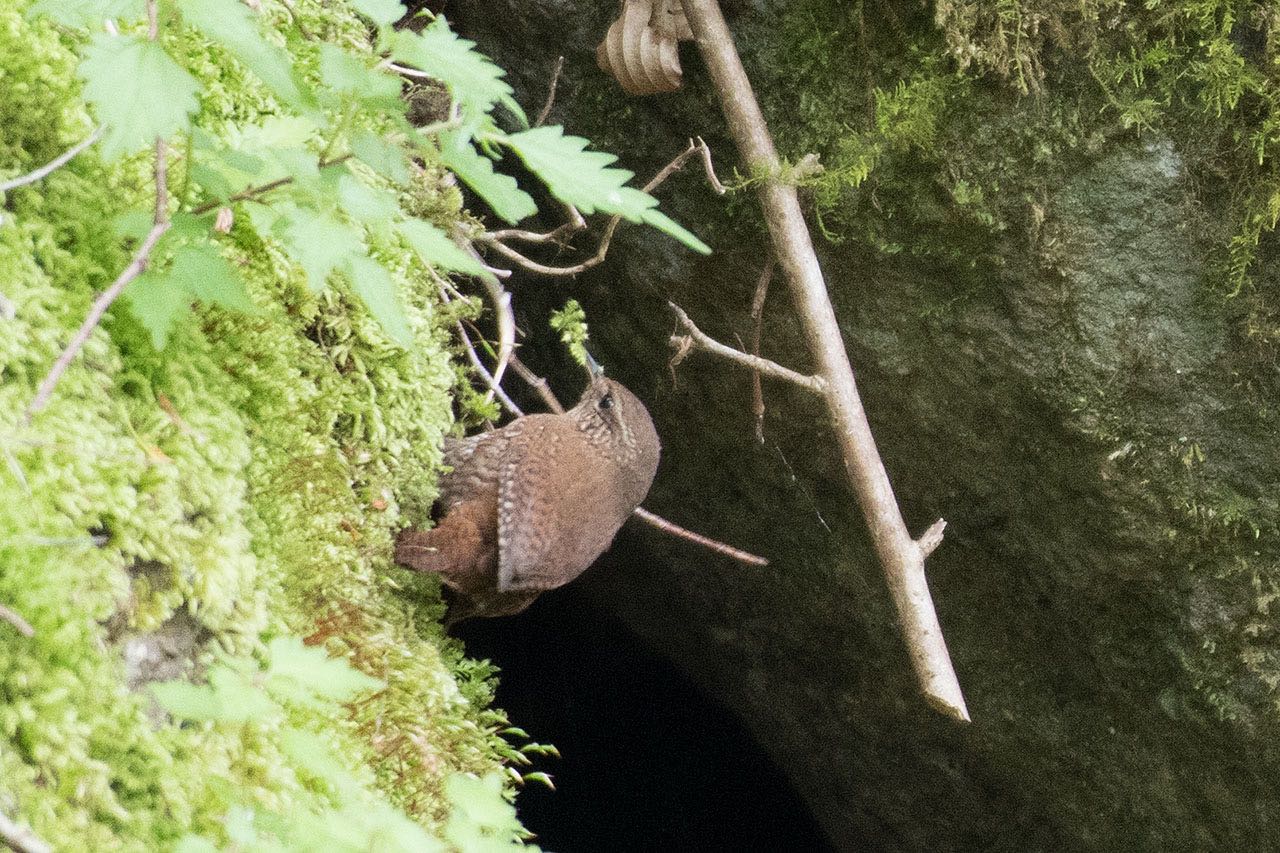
530	265
719	547
15	619
551	92
161	215
108	296
539	385
539	237
494	239
254	192
506	326
671	168
931	538
494	387
490	380
757	328
21	839
54	164
716	186
702	340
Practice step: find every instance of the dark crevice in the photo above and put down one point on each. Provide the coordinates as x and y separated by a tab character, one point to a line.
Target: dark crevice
648	761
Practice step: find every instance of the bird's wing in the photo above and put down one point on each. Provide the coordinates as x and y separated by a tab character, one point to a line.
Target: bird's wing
548	498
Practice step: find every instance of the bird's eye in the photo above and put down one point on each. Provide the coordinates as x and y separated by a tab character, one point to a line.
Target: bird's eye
606	402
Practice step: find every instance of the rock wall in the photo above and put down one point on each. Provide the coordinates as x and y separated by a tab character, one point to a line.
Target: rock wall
1049	362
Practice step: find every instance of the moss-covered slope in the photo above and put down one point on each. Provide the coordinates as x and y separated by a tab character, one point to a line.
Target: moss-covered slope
238	485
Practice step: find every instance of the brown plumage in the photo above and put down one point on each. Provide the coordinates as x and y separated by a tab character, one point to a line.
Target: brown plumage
529	507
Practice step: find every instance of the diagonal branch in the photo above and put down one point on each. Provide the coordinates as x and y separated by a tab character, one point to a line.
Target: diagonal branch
19	838
262	189
54	164
108	296
551	92
757	329
15	619
900	556
701	340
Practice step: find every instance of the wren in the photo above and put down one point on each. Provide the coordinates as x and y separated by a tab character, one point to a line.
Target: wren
530	506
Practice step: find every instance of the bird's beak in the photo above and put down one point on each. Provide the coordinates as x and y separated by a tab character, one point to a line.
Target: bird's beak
594	366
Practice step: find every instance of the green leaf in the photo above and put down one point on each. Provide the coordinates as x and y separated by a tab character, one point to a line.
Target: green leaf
479	813
500	191
159	297
83	13
365	204
376	288
319	243
436	249
312	668
195	844
238	824
229	697
381	12
186	700
230	24
240	699
134	223
347	75
205	274
137	91
157	304
312	754
385	158
273	132
583	178
475	82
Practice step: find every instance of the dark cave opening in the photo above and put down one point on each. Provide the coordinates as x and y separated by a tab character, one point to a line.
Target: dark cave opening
648	761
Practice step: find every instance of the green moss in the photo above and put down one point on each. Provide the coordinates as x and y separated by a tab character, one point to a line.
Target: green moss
249	475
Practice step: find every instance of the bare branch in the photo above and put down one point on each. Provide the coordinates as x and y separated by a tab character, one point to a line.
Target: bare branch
161	216
108	296
540	237
931	538
494	239
21	839
530	265
539	385
716	186
54	164
494	387
671	168
706	542
15	619
757	328
901	557
703	341
551	92
506	328
254	192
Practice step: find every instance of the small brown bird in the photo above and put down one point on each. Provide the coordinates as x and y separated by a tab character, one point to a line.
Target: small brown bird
529	507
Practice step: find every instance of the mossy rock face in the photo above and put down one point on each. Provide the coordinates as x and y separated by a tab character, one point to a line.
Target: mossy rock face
1061	378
